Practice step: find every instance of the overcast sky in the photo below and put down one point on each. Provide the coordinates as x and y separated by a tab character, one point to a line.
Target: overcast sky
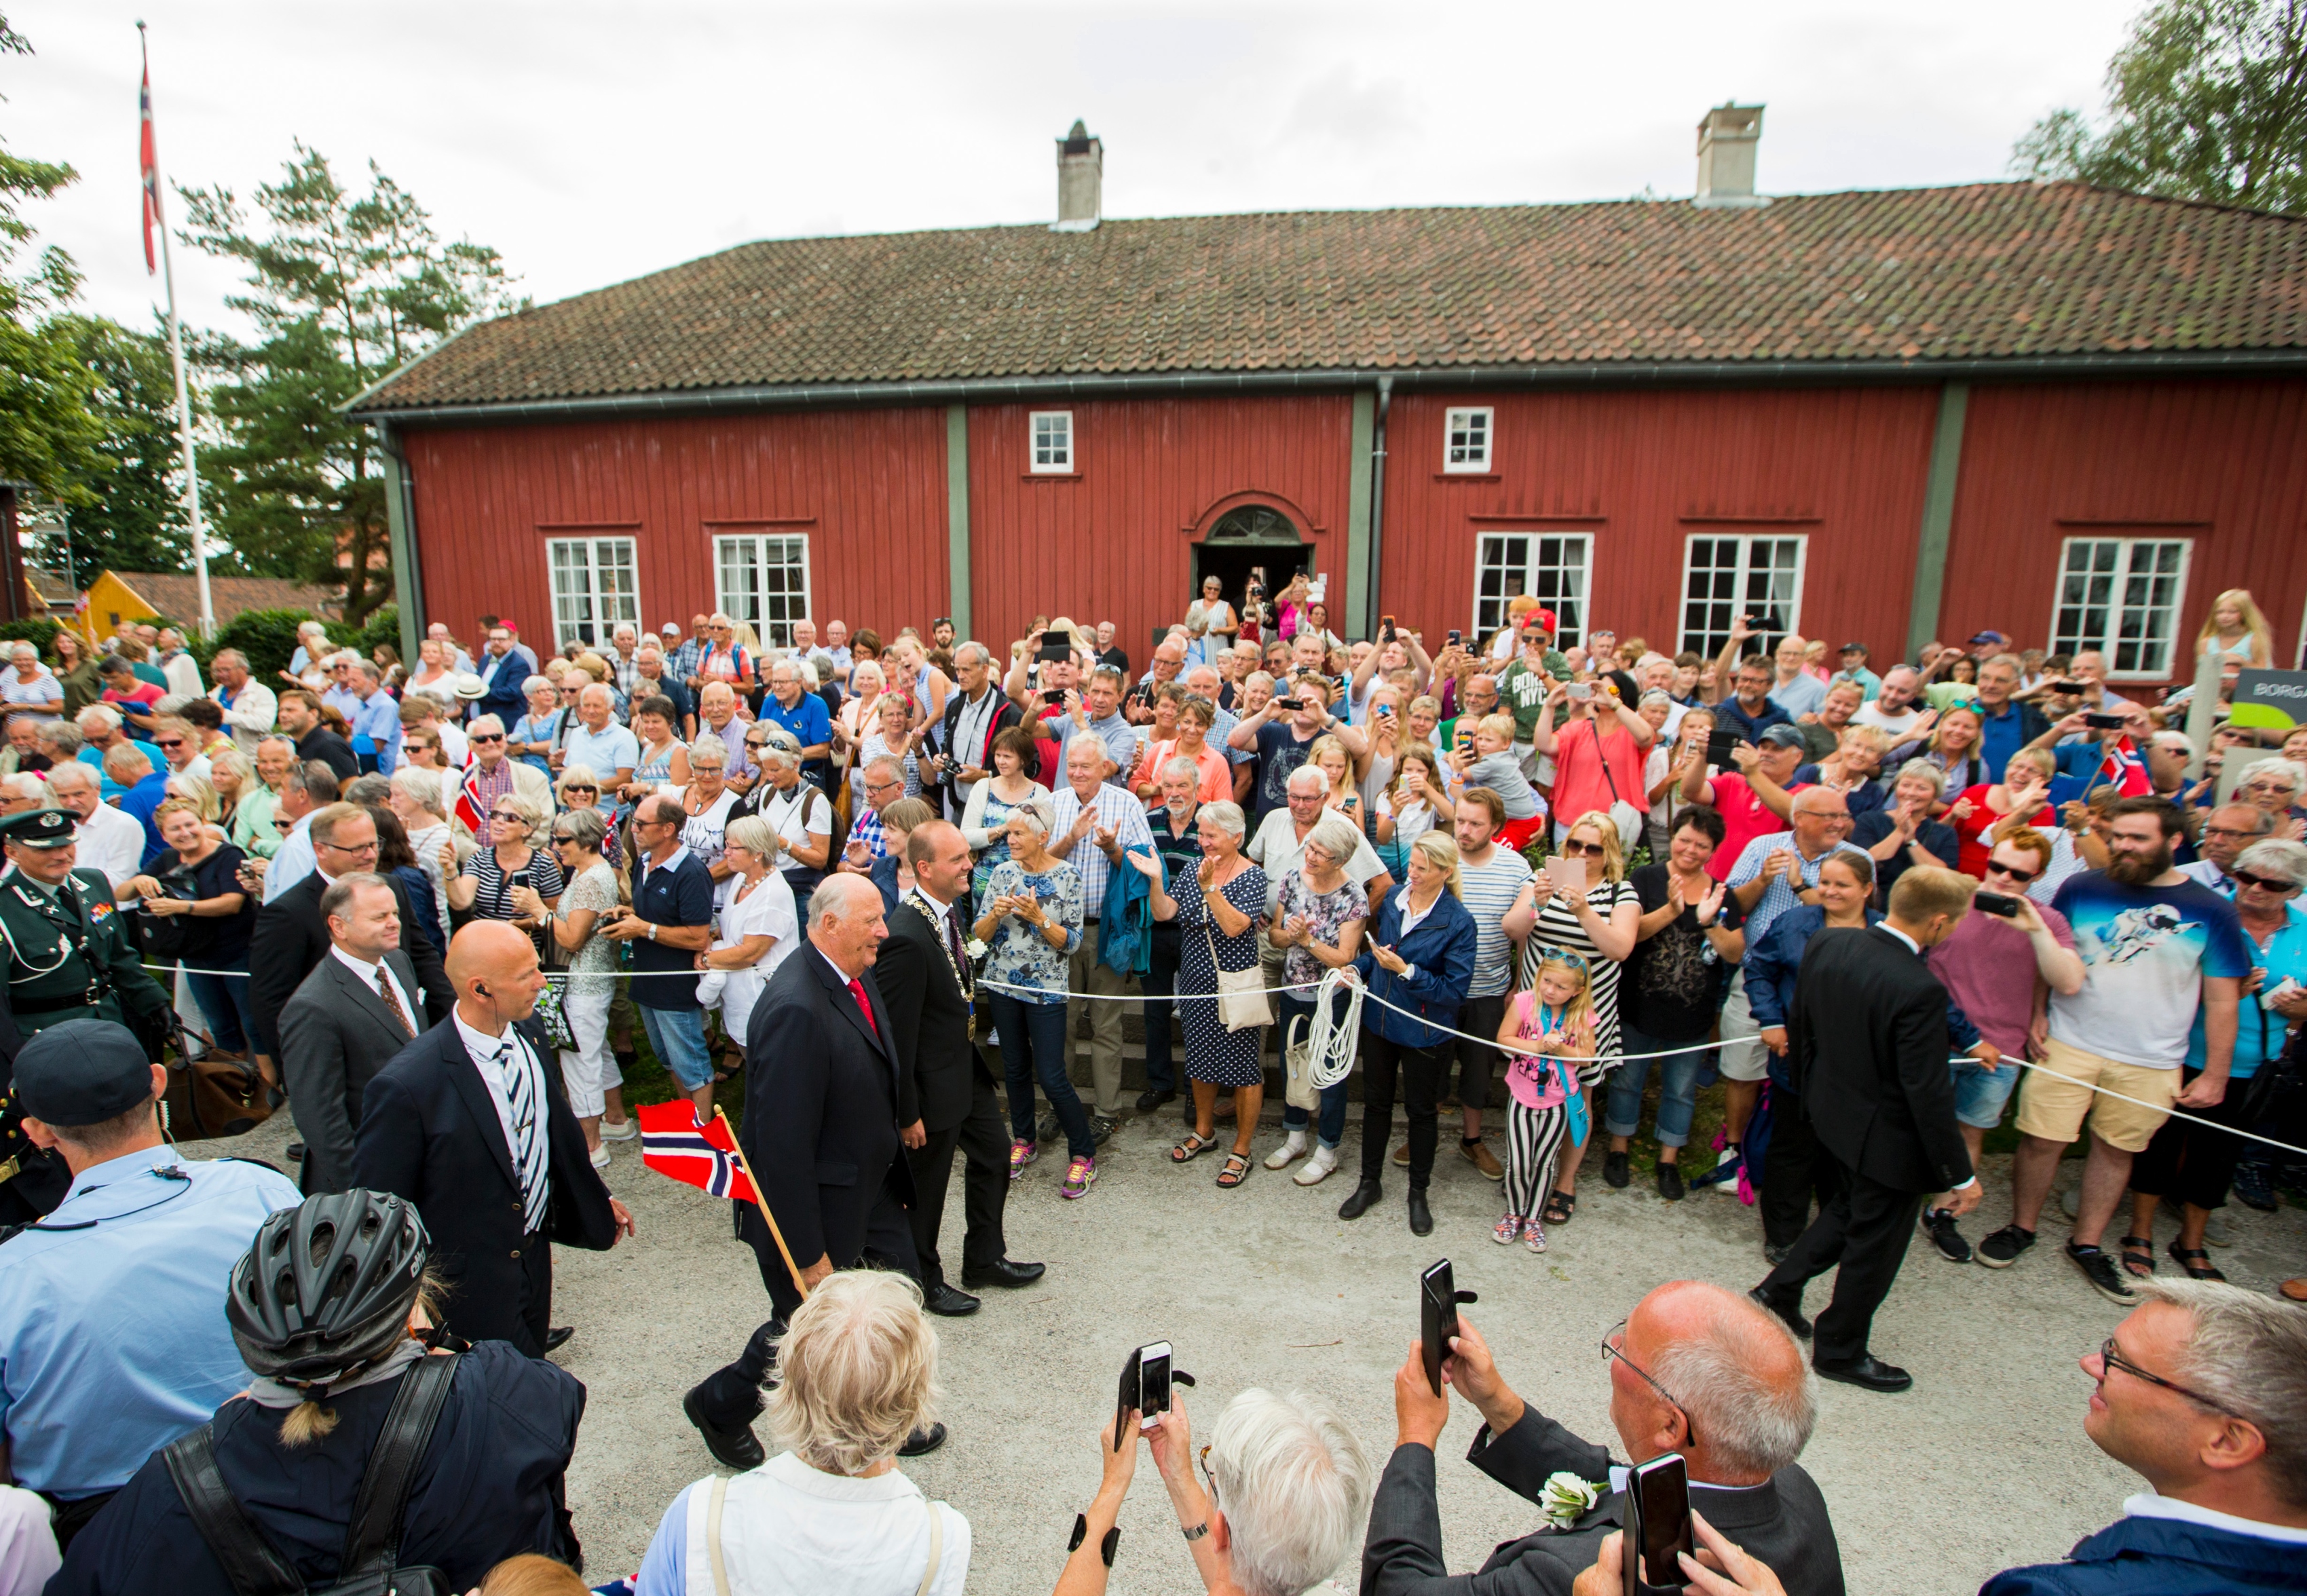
591	142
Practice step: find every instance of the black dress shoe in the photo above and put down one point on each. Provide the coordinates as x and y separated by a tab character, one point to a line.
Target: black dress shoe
1421	1218
1616	1173
1669	1182
558	1338
1365	1198
731	1448
1148	1101
296	1152
923	1441
1789	1314
948	1303
1003	1272
1868	1372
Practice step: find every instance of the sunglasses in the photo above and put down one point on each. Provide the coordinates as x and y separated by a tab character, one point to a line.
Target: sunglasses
1576	849
581	787
168	742
2264	883
1997	868
485	737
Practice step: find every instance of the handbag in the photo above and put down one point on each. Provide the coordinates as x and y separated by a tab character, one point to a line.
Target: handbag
1242	1001
1298	1088
1628	819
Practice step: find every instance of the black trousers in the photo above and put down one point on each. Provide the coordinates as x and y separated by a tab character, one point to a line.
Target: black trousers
1863	1233
982	1139
2187	1163
730	1395
1794	1169
1419	1071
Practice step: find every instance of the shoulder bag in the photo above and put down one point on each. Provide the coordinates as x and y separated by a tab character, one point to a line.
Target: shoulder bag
1242	1001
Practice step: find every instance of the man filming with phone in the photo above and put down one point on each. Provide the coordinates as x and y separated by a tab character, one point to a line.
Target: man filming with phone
1694	1370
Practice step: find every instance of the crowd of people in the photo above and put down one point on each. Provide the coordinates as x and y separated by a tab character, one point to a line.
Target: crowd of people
430	911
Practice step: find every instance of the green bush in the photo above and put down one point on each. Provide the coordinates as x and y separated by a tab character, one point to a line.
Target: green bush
267	637
39	630
383	628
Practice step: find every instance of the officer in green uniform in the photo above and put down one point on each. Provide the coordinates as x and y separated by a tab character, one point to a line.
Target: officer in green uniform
64	954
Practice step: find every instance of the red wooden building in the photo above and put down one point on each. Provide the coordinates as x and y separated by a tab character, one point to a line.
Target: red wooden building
2070	413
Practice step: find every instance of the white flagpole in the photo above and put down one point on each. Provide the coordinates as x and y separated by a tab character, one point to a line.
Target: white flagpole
184	393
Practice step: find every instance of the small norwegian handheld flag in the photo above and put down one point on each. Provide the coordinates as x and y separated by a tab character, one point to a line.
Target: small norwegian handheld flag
150	156
2123	768
672	1143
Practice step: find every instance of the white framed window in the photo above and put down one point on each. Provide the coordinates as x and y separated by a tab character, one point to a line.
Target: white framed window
1726	578
763	580
1466	439
1053	440
1552	567
2122	597
594	589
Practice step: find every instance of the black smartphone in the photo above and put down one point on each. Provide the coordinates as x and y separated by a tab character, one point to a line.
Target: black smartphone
1995	903
1054	650
1657	1513
1437	1318
1718	747
518	878
2104	723
2069	687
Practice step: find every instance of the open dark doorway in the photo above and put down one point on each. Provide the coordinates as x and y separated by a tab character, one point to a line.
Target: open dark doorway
1253	539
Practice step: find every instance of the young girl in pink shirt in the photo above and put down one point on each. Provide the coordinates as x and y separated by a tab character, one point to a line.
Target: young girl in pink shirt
1548	1029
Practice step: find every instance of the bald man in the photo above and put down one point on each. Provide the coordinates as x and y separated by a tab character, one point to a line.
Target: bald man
470	1124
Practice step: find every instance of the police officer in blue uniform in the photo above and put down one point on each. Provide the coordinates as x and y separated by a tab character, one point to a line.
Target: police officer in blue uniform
113	1335
64	954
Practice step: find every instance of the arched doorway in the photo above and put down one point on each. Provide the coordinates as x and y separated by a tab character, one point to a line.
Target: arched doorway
1252	540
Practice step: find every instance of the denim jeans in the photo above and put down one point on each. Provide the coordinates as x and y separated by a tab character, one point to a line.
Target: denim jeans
678	1034
225	1004
1677	1088
1331	1129
1033	1046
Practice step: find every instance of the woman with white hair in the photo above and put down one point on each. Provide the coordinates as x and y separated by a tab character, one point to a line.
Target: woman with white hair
853	722
1318	923
590	1072
1289	1493
312	646
537	734
1029	915
417	802
759	925
2279	787
831	1514
706	806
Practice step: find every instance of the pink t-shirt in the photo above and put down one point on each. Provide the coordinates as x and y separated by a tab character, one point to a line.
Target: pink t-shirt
1987	965
1537	1081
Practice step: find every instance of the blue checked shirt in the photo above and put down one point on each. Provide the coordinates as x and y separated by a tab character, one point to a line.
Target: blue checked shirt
1783	894
1115	808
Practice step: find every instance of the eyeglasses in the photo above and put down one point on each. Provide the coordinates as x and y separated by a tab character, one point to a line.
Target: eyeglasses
882	786
2110	1360
484	737
355	851
2228	831
2264	883
1610	1350
1201	1458
1997	868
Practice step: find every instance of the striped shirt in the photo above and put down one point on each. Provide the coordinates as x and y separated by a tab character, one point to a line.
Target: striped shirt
1487	891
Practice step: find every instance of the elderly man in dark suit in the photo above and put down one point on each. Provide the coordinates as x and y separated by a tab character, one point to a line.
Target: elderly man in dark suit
944	1092
1868	1045
351	1017
1694	1370
469	1123
821	1138
292	937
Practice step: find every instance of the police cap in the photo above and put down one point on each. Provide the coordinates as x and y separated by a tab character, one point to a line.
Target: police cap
38	828
83	1072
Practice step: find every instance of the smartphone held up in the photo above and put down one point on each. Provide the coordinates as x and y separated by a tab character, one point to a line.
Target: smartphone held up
1438	1297
1146	1379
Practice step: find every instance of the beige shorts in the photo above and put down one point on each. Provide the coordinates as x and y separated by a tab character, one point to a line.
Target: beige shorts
2055	1110
1742	1056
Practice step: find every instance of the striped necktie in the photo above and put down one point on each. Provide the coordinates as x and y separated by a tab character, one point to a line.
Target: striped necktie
529	1152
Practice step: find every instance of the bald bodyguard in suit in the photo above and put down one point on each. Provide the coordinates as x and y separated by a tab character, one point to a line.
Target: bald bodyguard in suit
821	1138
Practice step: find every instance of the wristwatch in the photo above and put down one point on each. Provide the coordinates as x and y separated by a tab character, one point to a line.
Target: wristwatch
652	926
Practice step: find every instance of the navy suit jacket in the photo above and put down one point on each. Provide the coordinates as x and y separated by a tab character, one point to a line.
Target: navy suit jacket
821	1108
2156	1557
504	698
430	1133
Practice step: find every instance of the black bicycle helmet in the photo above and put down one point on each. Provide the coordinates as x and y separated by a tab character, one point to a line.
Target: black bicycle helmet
327	1285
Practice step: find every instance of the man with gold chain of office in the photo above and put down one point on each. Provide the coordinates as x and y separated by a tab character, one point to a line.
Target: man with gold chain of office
64	954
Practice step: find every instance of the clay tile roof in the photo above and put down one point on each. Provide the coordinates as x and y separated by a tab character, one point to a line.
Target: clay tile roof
1978	272
176	595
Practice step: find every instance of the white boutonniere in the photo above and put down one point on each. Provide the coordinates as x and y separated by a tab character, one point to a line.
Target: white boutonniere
1566	1499
974	947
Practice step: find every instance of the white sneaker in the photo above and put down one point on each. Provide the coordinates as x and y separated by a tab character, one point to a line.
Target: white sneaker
601	1157
1317	1167
1292	1150
623	1130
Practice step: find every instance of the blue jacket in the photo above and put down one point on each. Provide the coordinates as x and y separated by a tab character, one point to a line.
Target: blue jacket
2165	1556
1774	964
1440	953
1125	929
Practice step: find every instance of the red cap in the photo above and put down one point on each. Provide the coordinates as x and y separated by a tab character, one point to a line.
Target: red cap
1538	620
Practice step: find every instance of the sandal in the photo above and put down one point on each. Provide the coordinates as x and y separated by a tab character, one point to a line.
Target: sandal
1194	1145
1560	1206
1236	1171
2138	1256
2194	1260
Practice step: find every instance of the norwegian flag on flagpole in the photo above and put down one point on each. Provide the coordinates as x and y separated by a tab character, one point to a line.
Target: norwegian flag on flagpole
151	156
672	1143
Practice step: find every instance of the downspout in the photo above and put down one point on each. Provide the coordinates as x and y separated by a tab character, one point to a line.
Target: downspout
400	524
1375	607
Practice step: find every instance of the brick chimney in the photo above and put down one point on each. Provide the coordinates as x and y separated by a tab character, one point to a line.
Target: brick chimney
1081	172
1727	139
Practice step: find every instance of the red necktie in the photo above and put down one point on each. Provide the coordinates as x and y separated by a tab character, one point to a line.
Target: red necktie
857	991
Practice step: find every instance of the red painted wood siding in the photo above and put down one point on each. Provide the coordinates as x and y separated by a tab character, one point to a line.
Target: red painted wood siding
2041	461
869	484
1114	543
1845	466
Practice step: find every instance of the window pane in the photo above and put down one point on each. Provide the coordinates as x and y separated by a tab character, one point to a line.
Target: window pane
1725	578
1551	569
2121	596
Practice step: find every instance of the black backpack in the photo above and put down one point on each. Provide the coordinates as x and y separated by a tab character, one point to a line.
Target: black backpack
372	1539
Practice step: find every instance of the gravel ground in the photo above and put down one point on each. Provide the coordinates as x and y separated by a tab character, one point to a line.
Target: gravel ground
1983	1465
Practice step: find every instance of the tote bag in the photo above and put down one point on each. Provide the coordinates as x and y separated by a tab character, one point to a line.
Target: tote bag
1242	1003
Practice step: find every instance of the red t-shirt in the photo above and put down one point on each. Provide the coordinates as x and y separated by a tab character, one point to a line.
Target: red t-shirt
1581	786
1744	818
1971	831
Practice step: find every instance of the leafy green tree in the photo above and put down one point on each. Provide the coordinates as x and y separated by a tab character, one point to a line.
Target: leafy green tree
2206	100
46	428
342	288
131	518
